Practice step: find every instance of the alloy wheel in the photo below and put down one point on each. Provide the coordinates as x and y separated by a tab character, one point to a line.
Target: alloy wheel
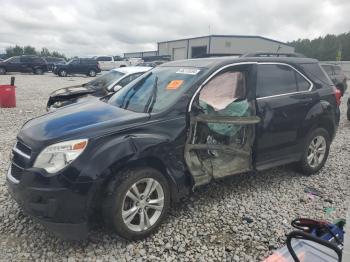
63	73
143	204
316	151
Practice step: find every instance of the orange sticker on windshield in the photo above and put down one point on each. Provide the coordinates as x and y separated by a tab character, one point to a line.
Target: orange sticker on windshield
174	84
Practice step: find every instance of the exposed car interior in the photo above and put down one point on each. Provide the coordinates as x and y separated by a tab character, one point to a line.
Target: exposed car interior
222	127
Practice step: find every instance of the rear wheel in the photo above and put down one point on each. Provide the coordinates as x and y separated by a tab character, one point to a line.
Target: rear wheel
62	73
92	73
316	152
2	71
136	203
38	71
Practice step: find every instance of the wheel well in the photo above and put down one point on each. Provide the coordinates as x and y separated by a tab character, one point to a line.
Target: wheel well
327	124
152	162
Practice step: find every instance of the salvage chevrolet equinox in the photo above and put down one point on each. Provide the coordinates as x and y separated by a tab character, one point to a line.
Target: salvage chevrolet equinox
175	128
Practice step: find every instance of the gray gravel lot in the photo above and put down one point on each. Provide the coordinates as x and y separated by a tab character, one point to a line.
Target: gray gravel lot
208	226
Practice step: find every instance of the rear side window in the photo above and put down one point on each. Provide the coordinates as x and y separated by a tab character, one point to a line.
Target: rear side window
316	73
38	60
337	70
328	69
88	61
279	79
302	83
25	59
104	58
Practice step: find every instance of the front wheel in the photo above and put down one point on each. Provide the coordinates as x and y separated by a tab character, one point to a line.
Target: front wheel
62	73
136	203
316	151
2	71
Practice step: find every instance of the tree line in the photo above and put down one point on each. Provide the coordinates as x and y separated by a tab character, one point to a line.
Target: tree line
327	48
30	50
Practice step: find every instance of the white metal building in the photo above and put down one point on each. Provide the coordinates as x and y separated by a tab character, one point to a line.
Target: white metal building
219	45
140	54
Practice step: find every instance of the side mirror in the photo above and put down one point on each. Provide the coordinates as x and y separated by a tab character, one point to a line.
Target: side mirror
117	88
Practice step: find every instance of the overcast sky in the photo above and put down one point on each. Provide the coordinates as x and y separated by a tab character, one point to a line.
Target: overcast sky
93	27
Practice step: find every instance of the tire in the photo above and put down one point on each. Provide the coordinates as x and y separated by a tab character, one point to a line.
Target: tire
2	71
348	113
320	140
62	73
117	204
38	71
92	73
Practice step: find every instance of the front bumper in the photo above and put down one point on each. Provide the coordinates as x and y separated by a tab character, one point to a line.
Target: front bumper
60	206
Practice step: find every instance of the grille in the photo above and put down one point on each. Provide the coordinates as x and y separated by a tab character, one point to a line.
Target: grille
22	147
16	171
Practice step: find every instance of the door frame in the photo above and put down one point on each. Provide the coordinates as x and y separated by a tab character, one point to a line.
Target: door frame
200	179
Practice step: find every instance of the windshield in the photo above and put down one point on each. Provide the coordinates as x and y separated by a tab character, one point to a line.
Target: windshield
156	90
105	80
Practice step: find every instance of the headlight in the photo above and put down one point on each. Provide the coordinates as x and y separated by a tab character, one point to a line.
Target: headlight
57	156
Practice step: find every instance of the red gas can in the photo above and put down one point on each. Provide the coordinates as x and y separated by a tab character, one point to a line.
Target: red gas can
7	96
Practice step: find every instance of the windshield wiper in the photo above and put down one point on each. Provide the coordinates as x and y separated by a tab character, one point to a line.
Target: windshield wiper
152	99
135	89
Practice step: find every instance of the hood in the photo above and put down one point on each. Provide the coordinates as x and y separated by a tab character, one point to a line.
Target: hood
83	120
72	90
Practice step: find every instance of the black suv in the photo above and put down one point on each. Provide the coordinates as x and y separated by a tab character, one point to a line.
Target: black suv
86	66
177	127
24	64
337	76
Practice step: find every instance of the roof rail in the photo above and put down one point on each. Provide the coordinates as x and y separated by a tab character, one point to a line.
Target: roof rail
267	54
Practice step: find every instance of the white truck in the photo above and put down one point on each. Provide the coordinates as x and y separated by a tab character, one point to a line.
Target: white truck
111	62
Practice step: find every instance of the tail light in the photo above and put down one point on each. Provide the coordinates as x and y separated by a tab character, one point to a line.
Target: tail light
338	95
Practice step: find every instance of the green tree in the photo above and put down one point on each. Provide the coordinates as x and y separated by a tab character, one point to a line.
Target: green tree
45	52
29	50
327	48
14	51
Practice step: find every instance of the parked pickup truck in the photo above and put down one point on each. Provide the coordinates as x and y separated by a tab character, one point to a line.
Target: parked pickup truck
111	62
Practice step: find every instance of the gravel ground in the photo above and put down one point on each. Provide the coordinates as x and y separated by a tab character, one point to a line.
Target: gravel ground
211	225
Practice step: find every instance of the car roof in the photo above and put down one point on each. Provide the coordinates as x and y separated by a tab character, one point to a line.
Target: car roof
221	61
132	69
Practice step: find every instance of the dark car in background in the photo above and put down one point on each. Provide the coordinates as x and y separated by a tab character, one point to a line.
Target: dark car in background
177	127
103	85
85	66
24	64
52	61
337	76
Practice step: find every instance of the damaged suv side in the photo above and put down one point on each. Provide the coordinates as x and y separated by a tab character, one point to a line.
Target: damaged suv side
175	128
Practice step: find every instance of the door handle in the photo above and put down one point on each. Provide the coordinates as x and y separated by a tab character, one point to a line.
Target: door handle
304	98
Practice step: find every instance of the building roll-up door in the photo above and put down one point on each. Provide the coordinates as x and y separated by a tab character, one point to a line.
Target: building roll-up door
179	53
